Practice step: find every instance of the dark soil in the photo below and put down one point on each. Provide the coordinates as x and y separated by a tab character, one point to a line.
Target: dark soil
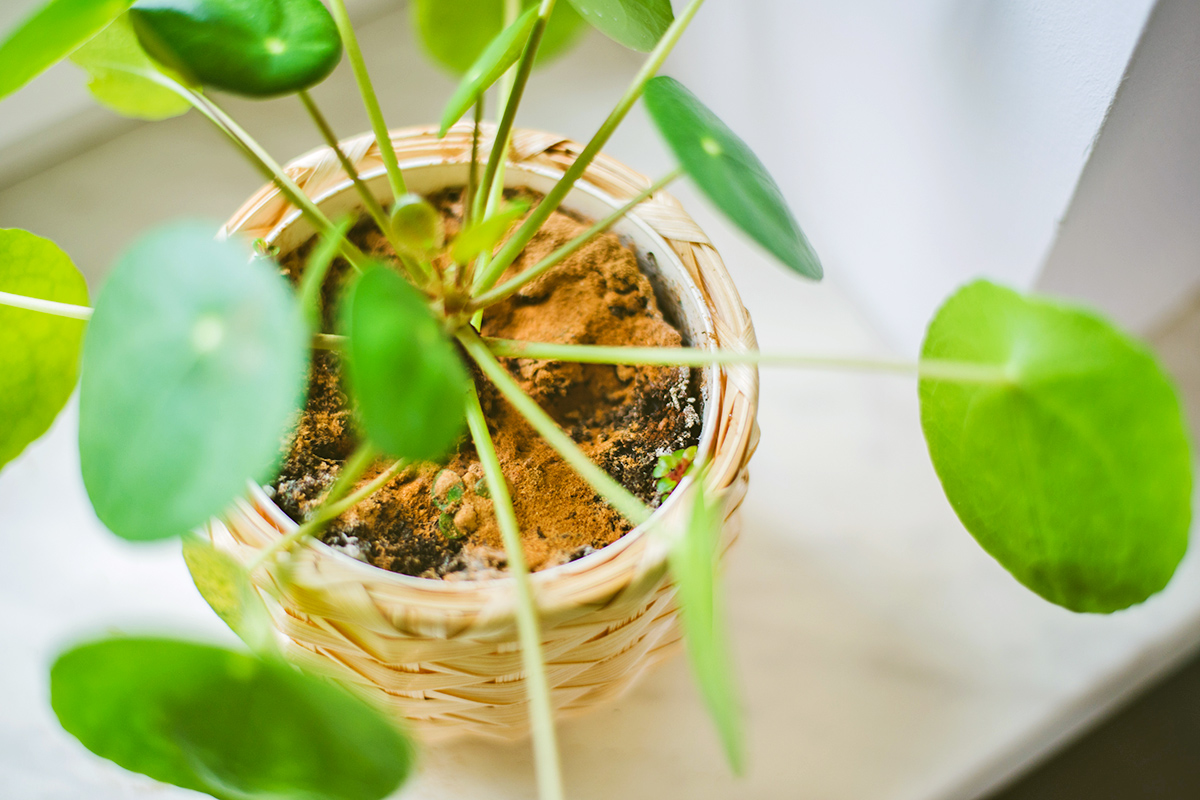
436	520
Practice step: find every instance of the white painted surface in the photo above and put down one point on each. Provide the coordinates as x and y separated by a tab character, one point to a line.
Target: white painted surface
883	655
922	142
1131	241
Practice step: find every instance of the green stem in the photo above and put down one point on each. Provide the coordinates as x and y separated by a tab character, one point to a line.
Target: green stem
262	160
330	510
370	100
45	306
511	287
617	495
512	10
473	175
416	273
257	156
372	204
524	68
508	254
935	369
541	711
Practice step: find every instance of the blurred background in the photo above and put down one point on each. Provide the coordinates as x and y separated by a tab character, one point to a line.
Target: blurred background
1050	144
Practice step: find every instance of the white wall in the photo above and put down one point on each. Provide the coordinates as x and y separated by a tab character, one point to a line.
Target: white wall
1131	240
921	142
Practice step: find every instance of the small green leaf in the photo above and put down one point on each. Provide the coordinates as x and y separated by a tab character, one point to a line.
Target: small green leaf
51	34
493	62
225	585
193	365
312	282
417	225
456	33
39	353
124	78
637	24
693	564
672	468
1073	470
729	173
224	723
256	48
486	234
406	374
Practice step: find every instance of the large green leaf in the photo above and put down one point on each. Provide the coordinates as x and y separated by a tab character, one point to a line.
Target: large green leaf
225	723
407	376
193	365
693	561
125	79
51	34
637	24
729	173
39	353
493	62
257	48
456	33
1071	466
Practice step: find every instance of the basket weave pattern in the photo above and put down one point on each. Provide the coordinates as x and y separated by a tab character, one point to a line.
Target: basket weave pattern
444	654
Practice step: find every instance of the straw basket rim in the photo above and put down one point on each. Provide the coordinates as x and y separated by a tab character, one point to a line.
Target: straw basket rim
636	561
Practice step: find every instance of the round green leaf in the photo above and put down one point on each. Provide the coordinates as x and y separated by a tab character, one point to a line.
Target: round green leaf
39	353
127	80
406	375
257	48
192	367
225	723
456	33
51	34
493	62
729	173
1071	468
637	24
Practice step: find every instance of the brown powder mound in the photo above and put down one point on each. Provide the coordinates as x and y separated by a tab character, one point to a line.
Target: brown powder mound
438	520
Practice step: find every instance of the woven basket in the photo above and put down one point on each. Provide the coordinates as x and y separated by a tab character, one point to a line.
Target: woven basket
443	654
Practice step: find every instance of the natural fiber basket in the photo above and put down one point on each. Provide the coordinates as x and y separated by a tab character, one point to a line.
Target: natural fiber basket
444	654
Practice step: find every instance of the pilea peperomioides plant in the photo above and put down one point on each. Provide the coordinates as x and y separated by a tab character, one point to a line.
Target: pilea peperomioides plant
1059	441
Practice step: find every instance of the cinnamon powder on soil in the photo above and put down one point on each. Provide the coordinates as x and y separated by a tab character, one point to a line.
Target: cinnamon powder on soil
437	520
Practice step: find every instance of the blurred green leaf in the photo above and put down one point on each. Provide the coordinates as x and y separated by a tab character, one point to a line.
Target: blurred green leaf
224	723
49	35
417	225
729	173
312	282
39	353
123	76
637	24
1073	470
483	236
225	585
493	62
456	33
193	365
693	561
406	374
256	48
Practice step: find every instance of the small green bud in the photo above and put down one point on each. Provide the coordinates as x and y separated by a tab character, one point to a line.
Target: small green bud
417	225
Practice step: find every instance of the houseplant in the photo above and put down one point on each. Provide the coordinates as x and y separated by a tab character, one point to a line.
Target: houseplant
1059	441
